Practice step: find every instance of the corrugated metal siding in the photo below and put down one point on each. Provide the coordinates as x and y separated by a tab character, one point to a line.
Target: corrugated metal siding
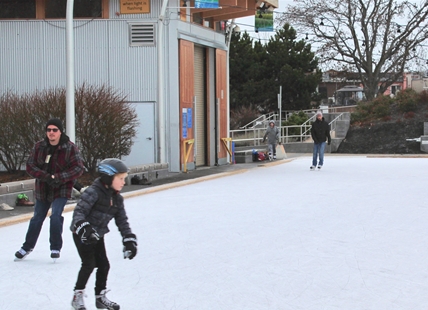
33	56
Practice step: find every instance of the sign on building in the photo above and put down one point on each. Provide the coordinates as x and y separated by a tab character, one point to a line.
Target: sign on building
134	7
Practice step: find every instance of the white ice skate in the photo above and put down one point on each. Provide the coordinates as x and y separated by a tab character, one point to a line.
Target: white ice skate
77	303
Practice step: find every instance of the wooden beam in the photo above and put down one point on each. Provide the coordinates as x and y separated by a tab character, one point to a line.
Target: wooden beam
234	15
228	7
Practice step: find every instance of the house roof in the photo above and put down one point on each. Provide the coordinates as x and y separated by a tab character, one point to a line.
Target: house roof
350	88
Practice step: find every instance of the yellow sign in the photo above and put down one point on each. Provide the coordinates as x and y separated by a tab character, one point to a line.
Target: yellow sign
134	7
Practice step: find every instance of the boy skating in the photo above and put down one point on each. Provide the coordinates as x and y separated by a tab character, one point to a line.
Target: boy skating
100	203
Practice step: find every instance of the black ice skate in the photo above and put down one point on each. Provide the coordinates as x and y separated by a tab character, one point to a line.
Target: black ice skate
77	303
21	254
55	254
102	302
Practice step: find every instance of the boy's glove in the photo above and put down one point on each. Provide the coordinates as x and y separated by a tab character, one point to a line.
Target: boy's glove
87	234
129	246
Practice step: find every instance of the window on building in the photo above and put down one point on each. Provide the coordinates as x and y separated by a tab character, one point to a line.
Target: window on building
41	9
17	9
82	8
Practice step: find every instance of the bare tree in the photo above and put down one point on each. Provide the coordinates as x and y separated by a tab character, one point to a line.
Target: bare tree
375	38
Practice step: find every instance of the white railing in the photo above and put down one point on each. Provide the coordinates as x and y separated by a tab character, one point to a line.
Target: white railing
294	133
261	120
333	123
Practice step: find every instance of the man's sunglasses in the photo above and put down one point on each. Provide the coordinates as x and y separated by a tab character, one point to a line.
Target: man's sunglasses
52	129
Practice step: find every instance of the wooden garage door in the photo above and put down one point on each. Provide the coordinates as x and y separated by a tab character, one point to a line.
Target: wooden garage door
200	106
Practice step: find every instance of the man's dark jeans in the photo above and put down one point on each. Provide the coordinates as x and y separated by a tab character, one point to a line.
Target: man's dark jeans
41	209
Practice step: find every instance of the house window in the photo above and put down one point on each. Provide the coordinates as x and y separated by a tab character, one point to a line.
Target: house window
42	9
395	89
17	9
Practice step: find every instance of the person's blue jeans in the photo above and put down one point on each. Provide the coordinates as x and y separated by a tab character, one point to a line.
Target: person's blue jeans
318	152
272	149
41	209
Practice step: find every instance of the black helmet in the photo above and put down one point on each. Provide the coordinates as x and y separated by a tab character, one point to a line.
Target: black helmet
109	167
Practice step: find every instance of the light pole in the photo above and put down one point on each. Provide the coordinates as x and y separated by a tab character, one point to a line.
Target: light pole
229	32
69	110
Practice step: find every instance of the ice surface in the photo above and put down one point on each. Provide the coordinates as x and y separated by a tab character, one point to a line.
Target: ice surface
352	236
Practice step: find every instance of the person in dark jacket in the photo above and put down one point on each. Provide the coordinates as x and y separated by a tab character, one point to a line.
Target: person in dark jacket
98	205
55	163
320	133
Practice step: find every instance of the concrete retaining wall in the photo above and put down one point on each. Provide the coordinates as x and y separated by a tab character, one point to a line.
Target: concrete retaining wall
9	191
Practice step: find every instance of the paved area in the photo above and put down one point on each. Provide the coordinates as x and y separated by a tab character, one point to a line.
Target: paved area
21	214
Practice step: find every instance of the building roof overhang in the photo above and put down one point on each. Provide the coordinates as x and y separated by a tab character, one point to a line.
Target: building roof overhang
230	9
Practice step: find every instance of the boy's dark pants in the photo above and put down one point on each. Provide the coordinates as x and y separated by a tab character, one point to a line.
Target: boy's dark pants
92	256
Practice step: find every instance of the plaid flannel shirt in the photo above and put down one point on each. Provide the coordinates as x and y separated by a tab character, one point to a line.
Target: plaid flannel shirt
65	164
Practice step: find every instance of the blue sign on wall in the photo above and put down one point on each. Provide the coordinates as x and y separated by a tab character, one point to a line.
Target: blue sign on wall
184	122
189	118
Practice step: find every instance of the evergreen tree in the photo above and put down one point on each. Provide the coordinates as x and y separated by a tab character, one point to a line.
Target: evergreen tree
257	71
241	73
292	65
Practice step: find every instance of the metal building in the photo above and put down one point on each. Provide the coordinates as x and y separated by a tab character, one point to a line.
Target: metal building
169	57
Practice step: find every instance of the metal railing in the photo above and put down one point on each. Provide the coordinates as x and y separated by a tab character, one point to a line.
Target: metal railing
261	120
253	136
333	124
296	133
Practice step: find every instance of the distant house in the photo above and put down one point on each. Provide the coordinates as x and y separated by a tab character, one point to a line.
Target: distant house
418	81
349	95
335	86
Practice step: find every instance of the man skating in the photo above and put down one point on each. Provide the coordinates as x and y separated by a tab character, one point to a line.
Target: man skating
320	132
55	163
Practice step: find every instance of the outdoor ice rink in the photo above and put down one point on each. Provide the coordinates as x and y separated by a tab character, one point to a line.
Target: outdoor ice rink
352	236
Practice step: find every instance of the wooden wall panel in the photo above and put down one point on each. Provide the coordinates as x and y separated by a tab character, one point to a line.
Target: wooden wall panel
221	94
186	89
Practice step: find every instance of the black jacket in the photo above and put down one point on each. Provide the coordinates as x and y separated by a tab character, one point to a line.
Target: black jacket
320	131
99	205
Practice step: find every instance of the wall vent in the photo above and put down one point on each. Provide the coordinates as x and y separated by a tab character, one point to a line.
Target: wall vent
141	34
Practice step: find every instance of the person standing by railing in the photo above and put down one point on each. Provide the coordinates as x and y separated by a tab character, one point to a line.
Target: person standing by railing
272	134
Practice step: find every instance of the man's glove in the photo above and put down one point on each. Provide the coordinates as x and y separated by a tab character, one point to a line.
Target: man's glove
87	234
129	246
53	182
